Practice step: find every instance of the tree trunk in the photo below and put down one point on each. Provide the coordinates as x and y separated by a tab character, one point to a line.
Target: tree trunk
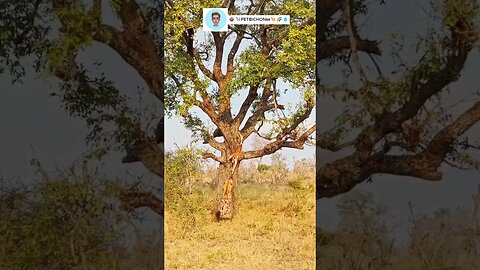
227	190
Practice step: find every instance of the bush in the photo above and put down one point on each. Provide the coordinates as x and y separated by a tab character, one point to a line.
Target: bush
262	167
183	169
66	221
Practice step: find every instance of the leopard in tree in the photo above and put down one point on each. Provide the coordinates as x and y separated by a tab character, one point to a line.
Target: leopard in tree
226	198
225	210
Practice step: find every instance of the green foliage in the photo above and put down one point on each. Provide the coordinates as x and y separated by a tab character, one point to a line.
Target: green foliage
262	167
66	221
365	103
21	35
80	28
459	10
182	164
291	60
332	137
112	120
51	37
183	169
252	67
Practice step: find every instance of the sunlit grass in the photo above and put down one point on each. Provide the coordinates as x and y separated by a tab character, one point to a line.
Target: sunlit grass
274	229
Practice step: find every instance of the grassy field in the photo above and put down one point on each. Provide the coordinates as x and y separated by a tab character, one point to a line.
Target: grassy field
274	229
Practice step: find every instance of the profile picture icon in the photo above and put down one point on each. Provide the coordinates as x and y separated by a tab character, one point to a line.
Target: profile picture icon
215	19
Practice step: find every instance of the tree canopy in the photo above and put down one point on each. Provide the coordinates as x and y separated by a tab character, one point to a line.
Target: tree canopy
49	36
209	73
395	121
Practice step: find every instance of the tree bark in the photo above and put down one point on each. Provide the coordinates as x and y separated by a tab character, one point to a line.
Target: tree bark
227	190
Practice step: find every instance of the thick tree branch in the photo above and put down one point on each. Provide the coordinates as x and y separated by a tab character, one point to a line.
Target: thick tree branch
224	107
272	147
328	47
135	44
233	52
189	35
392	121
147	151
247	103
132	200
207	155
343	174
219	41
214	143
441	144
338	44
205	104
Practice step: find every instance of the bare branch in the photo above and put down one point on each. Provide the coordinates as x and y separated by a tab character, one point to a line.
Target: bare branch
258	115
336	45
201	66
136	45
260	110
352	35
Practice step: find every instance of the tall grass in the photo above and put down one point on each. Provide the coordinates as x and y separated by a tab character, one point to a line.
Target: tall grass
273	229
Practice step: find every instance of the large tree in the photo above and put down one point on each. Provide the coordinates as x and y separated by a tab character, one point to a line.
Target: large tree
52	33
395	124
208	73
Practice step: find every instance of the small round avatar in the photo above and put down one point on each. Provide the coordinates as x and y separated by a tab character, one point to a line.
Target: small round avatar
215	19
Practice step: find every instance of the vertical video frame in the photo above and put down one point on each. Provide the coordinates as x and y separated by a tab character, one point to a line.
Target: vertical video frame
240	134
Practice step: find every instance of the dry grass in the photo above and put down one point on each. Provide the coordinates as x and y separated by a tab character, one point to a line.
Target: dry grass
274	229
